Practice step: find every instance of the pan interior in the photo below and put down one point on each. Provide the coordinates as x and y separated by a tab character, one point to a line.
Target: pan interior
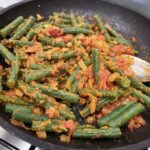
123	20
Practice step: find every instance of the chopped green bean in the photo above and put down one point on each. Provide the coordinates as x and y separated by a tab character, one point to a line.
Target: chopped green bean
76	30
6	53
125	116
96	64
26	26
11	26
97	133
64	95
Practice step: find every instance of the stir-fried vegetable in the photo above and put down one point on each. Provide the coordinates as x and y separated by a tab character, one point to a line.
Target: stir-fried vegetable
54	66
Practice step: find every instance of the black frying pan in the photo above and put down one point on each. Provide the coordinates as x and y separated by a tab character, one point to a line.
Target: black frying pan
125	21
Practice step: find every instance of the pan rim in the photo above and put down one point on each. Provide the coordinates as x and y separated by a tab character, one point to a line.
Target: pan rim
26	137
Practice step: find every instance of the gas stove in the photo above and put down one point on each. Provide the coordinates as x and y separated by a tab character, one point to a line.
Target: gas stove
10	142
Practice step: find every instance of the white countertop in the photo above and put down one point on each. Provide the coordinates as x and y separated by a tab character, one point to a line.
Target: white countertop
6	3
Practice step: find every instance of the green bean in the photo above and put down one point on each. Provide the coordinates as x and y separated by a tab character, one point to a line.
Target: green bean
97	133
125	116
65	113
27	25
23	55
73	19
13	100
22	43
118	37
39	25
64	55
65	21
10	108
74	87
81	127
64	95
76	30
43	100
58	55
104	93
96	64
15	67
41	73
6	53
144	98
1	86
122	40
124	82
32	32
11	26
64	16
31	92
101	26
49	41
101	103
72	78
112	31
47	71
27	117
81	23
18	28
86	60
61	25
139	85
52	126
36	66
86	25
113	67
80	20
114	114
